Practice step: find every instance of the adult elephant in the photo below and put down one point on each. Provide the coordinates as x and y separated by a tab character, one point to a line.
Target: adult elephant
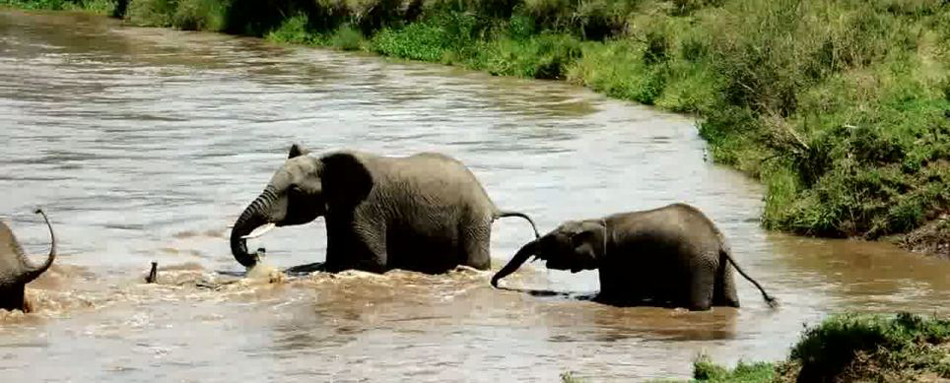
673	255
16	270
426	212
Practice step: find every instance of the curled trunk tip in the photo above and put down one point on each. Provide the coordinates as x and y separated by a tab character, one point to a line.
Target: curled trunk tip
520	257
253	217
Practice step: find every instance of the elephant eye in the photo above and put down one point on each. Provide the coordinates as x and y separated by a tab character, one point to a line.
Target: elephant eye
579	237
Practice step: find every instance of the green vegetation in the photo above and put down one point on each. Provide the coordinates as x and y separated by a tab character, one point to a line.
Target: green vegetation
842	108
204	15
102	7
852	347
568	377
704	370
874	348
847	348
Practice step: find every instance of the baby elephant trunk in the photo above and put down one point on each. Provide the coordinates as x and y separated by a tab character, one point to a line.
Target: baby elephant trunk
520	257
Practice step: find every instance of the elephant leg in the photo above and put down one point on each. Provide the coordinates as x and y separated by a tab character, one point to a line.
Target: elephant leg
13	298
725	292
618	288
371	245
475	238
702	280
356	245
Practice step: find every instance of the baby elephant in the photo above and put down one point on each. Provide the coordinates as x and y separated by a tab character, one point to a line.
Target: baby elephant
673	255
16	270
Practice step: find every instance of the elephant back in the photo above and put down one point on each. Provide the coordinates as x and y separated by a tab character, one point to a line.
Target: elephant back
430	180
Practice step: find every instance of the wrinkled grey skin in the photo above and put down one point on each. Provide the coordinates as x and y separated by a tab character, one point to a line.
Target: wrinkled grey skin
669	256
426	212
16	270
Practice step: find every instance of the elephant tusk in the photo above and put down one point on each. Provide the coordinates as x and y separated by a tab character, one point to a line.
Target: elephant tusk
260	231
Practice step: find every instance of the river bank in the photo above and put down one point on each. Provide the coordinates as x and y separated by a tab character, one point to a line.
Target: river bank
841	109
846	348
901	348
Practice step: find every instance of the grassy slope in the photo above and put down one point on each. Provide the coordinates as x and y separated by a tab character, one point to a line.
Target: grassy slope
847	348
842	108
866	348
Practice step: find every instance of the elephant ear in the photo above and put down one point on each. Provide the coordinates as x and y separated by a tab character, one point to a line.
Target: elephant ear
346	180
588	247
583	243
296	150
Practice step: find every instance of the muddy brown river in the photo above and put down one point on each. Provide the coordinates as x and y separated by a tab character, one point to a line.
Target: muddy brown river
145	144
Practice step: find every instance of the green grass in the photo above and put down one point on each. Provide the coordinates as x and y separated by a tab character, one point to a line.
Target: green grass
851	347
841	108
294	30
875	348
298	30
102	7
346	38
199	15
152	13
704	370
423	41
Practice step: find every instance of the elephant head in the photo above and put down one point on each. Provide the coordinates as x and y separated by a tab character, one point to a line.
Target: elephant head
574	246
300	191
15	269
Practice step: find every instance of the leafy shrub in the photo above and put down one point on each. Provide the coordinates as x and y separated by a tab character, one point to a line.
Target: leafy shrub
346	38
199	15
419	41
293	30
152	13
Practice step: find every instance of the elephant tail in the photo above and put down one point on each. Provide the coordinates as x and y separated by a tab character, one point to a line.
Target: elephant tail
503	213
770	300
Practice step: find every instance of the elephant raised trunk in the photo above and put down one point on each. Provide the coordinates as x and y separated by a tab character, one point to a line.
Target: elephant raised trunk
519	259
255	215
31	272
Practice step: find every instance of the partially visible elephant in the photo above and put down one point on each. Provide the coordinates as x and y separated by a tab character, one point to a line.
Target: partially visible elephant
673	255
426	212
16	270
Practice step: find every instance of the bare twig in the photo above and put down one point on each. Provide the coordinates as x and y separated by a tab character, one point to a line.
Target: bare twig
153	274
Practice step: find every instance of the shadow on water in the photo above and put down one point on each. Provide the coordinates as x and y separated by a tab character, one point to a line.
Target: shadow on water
593	297
580	296
305	269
